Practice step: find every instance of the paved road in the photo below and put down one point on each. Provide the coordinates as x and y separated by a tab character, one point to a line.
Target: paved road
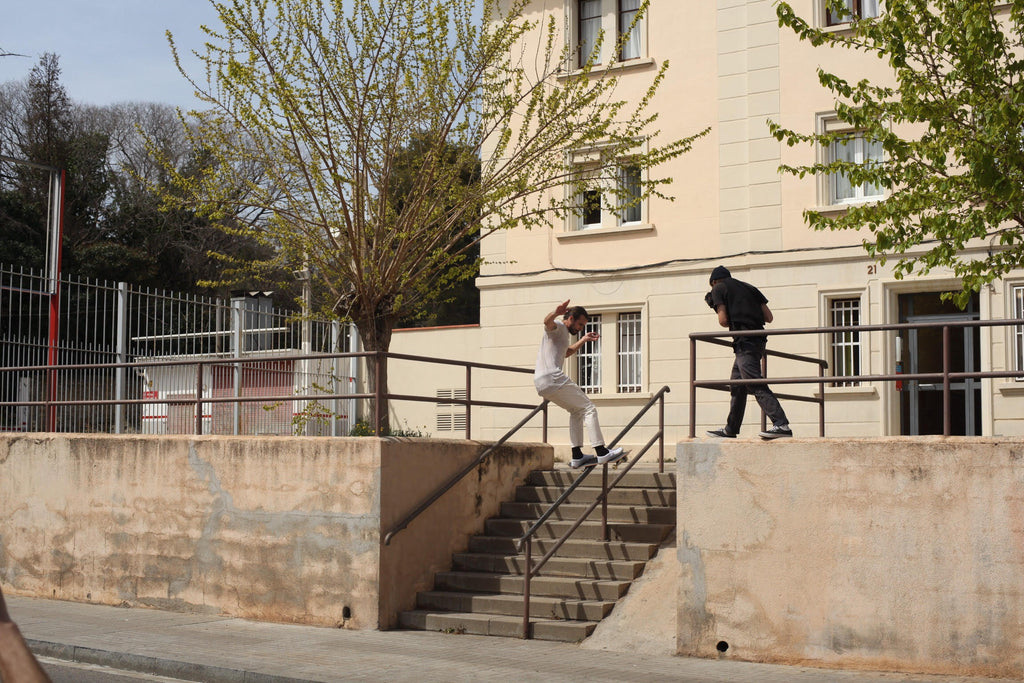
61	671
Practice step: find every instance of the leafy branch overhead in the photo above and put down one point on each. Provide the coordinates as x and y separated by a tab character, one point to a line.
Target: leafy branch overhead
950	124
311	108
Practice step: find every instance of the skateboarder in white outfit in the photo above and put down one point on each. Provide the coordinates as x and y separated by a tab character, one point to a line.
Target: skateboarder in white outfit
552	383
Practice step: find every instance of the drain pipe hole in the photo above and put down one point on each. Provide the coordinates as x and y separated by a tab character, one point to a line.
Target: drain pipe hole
722	646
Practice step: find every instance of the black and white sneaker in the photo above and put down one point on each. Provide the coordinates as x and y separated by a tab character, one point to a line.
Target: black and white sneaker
722	433
585	461
611	456
776	432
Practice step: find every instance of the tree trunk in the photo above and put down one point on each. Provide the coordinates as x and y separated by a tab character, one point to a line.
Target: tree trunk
375	333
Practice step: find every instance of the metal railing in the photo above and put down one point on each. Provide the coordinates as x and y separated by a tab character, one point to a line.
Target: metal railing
946	376
456	478
525	543
283	381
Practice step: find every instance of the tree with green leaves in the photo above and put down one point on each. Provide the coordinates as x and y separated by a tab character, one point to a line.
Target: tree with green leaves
951	124
326	97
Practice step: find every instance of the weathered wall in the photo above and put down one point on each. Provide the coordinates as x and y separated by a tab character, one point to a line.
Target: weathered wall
407	477
268	528
903	554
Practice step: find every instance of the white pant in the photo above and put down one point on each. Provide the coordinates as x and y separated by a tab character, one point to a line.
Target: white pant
581	413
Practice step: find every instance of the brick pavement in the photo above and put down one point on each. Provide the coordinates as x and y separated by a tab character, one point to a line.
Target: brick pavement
215	648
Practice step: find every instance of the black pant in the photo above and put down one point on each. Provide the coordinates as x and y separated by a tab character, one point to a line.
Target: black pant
748	366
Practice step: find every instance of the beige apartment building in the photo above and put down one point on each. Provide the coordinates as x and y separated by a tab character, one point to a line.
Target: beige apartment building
643	274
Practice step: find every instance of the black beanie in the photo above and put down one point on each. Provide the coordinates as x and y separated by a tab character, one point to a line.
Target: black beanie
719	273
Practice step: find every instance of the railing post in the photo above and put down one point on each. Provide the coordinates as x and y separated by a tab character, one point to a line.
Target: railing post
693	388
199	398
469	398
661	431
764	374
821	402
604	503
526	589
946	418
544	424
376	394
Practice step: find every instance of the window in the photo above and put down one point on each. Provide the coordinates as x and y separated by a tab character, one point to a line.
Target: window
1018	331
629	40
629	352
856	149
838	12
601	208
451	417
588	359
630	193
588	29
845	359
623	354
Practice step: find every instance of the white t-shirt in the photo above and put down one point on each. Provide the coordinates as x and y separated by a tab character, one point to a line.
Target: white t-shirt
551	357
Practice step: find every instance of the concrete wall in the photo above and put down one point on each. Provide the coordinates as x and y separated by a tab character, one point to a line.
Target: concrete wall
267	528
902	554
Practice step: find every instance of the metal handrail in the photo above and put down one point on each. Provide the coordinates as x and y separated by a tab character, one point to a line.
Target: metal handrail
946	376
199	399
525	542
456	478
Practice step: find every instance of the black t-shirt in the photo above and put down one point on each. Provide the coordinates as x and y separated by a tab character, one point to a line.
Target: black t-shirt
743	306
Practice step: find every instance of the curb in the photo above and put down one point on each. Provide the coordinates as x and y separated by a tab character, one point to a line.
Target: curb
157	666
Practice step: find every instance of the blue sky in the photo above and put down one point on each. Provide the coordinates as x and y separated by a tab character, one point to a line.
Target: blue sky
110	50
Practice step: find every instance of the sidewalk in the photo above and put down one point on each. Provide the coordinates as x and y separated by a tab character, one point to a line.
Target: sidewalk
215	648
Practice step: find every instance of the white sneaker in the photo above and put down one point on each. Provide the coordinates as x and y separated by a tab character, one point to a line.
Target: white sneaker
611	456
585	461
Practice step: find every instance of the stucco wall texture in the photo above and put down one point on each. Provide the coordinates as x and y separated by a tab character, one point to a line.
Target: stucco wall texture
266	528
903	554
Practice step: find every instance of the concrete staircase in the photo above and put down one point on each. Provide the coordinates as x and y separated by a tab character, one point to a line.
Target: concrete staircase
579	586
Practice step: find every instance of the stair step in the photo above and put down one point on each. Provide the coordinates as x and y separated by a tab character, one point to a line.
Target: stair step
633	479
587	494
497	625
554	586
591	530
542	607
572	511
556	566
574	547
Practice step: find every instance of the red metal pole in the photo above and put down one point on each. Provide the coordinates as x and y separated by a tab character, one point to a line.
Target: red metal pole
51	356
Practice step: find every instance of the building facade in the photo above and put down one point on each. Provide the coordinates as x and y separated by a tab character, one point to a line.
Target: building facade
643	273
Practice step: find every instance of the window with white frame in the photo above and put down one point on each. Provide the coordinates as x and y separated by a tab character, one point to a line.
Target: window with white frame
588	28
599	205
451	417
629	35
839	12
630	352
630	193
853	147
588	359
1018	331
619	347
618	19
845	345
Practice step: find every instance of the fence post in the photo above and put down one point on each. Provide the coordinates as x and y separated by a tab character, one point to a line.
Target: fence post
121	341
821	402
764	374
199	398
377	393
237	323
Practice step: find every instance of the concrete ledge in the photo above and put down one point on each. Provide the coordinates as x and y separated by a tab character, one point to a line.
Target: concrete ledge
268	528
903	554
